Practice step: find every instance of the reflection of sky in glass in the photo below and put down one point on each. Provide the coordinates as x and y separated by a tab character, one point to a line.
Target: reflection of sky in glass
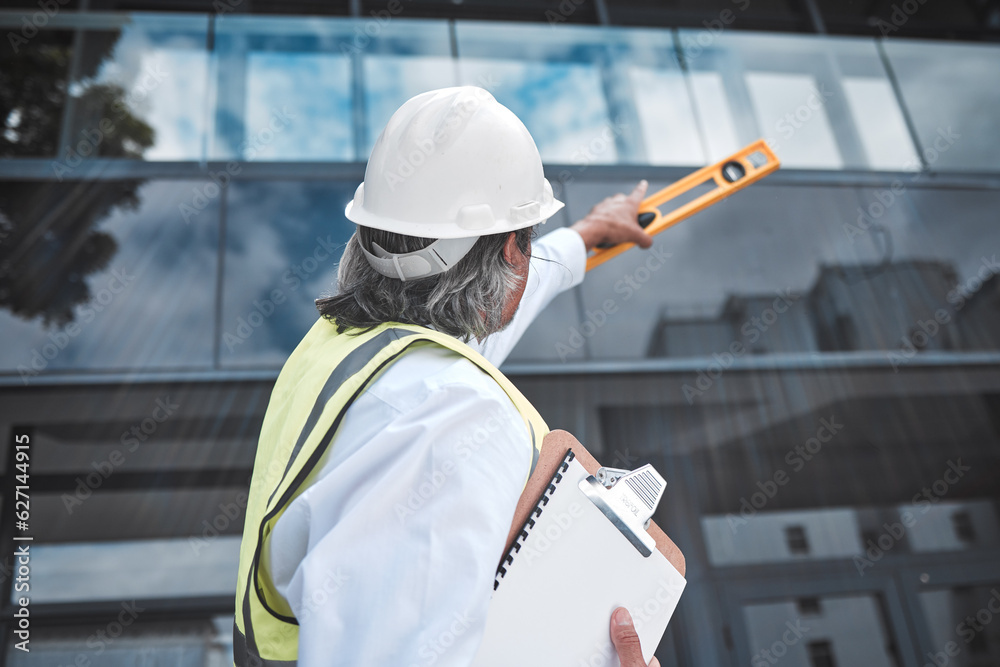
314	89
668	123
278	240
165	78
561	104
163	315
880	123
791	116
952	86
391	80
715	114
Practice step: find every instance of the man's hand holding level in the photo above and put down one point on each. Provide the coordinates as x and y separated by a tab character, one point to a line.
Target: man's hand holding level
615	220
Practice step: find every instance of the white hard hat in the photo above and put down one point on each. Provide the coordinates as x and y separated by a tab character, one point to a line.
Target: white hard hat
451	164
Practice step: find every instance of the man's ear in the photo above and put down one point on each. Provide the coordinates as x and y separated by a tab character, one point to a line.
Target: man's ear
510	249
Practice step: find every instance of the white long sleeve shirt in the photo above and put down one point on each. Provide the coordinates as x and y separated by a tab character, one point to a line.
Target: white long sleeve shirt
388	558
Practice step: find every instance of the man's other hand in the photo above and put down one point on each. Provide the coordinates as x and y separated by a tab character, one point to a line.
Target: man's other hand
626	641
615	220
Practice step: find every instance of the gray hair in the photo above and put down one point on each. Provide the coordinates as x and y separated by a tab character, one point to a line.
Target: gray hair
466	301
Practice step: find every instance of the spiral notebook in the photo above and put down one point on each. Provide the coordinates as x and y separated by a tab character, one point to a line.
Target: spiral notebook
566	571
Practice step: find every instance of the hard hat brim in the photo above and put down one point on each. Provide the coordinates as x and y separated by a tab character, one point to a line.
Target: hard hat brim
360	216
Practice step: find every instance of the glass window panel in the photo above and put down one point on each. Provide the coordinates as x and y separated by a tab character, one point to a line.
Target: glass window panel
283	85
561	104
848	630
285	89
827	533
715	115
34	81
561	316
850	281
571	87
791	91
127	570
951	526
881	124
791	106
403	60
668	121
588	96
283	242
142	90
106	275
845	533
952	92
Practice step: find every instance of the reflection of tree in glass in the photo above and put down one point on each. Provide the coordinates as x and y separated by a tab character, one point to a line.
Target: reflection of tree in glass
32	95
47	244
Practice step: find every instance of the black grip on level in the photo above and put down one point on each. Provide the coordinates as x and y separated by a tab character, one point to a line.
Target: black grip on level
645	220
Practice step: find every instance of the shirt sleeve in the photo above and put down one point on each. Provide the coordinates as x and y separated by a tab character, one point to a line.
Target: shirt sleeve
405	534
558	263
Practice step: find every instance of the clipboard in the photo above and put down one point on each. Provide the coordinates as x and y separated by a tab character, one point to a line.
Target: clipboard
570	562
554	447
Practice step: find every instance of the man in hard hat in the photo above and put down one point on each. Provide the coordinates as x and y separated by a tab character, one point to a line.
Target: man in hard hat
393	451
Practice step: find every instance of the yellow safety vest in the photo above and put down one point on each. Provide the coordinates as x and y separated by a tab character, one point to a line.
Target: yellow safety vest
319	382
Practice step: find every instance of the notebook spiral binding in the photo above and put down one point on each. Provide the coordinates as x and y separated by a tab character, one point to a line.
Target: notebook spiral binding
534	514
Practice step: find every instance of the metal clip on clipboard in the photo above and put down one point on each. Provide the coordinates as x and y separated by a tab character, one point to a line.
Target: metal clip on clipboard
628	499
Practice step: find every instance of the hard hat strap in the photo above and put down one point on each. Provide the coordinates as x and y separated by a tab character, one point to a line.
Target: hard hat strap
436	258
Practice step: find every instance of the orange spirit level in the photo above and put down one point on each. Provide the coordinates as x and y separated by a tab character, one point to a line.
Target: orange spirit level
737	171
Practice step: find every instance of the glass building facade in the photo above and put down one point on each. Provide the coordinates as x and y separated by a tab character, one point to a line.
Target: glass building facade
813	364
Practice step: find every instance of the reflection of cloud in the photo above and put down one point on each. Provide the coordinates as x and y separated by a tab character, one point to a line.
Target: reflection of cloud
165	78
164	318
273	227
561	104
316	88
391	80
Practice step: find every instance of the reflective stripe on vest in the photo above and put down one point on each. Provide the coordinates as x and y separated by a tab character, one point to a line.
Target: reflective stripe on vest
295	437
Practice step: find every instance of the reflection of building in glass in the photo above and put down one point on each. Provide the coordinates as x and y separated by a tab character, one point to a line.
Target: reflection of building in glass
904	305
